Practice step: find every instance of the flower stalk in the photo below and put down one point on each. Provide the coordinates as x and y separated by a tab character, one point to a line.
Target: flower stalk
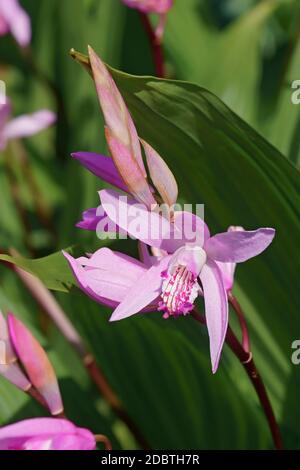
156	47
103	440
242	321
17	200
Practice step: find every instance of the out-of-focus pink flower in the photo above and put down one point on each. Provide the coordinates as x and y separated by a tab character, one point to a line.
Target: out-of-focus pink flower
19	351
35	361
150	6
160	7
9	368
22	126
46	434
14	20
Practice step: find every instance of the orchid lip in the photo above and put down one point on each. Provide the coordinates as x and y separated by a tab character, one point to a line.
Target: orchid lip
179	292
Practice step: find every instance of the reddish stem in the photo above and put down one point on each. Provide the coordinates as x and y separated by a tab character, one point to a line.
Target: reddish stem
104	440
246	359
242	321
156	47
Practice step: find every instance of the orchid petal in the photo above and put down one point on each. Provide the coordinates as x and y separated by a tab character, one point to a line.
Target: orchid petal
114	109
62	442
45	434
101	290
192	228
134	218
147	226
216	309
145	290
228	269
28	124
106	276
130	170
121	134
37	427
114	262
150	227
90	219
15	376
161	175
235	247
9	353
17	20
36	364
101	166
95	219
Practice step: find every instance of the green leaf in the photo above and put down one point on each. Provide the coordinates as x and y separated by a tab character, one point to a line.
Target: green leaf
283	131
227	61
53	270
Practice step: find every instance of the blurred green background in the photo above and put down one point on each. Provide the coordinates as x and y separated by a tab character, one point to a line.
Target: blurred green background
247	53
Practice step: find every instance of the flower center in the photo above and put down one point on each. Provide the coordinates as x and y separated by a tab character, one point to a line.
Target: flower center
179	292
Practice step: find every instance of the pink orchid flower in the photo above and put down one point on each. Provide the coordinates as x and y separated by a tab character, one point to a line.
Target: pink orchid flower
23	352
46	434
125	170
22	126
173	282
14	20
153	6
